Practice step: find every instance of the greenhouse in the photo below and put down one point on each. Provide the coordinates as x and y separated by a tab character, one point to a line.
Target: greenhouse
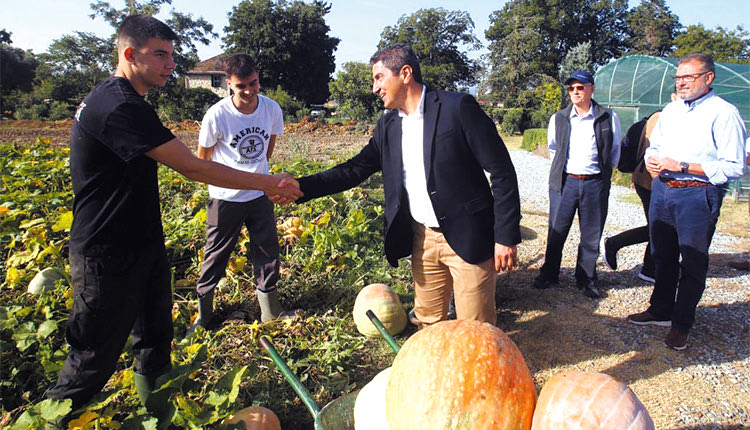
637	85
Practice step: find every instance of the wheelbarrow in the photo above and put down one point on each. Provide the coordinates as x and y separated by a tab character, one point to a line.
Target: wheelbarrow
339	413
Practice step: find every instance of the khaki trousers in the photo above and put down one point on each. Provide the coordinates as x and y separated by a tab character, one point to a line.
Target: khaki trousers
438	271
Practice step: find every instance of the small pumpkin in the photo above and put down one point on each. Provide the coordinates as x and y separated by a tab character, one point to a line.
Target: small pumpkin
255	418
589	401
384	303
369	409
462	374
45	280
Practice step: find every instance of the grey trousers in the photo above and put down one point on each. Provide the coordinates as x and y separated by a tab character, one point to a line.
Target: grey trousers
223	223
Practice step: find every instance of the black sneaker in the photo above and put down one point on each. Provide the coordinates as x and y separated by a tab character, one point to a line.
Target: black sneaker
676	339
542	283
591	289
645	318
610	255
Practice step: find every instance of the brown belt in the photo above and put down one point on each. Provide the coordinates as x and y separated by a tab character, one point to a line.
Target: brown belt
674	183
585	177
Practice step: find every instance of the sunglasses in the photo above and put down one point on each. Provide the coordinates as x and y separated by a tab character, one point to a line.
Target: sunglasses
572	88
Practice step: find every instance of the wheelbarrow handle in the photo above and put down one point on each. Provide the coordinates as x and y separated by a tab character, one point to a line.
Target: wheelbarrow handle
383	331
300	389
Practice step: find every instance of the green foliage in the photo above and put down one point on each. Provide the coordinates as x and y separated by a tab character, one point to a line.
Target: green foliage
352	89
548	101
652	27
731	46
190	30
16	74
178	103
289	105
512	121
289	42
528	39
577	58
339	250
533	138
438	37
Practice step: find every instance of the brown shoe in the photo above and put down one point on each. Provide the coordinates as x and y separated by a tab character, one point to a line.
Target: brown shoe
645	318
676	339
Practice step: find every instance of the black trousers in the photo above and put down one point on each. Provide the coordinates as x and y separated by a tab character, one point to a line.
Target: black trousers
116	296
638	234
223	223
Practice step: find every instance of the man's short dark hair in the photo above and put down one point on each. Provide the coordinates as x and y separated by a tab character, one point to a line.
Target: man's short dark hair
396	56
240	65
706	59
135	30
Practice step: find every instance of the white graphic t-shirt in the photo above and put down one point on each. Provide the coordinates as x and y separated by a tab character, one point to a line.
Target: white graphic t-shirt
240	140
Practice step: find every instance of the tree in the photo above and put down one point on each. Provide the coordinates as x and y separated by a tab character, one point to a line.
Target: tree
17	68
652	28
528	39
577	58
82	53
352	90
732	46
188	29
5	37
437	37
289	42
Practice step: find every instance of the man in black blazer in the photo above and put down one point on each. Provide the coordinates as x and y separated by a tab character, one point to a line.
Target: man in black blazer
433	148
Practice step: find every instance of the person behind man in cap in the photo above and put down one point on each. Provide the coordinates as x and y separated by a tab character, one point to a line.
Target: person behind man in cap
697	146
584	145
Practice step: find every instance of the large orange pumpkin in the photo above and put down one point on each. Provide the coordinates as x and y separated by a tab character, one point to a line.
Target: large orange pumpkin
589	401
384	303
255	418
460	375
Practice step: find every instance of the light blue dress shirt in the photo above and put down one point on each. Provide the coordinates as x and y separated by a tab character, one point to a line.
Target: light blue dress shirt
708	131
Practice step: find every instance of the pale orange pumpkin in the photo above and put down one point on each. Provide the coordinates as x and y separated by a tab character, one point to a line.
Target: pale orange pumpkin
589	401
255	418
461	374
384	303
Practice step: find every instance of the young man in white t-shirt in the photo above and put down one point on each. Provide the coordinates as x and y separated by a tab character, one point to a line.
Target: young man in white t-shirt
240	131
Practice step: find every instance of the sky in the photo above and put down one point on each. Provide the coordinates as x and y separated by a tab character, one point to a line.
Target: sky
35	24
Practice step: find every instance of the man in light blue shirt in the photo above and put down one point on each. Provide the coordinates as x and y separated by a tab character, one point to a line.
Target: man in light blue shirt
697	146
584	144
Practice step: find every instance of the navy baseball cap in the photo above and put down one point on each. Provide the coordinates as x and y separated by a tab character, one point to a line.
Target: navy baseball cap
581	76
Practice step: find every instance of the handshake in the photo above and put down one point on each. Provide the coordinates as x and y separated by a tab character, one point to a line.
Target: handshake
284	189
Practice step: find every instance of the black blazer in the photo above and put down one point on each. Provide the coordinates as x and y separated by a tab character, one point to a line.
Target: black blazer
460	143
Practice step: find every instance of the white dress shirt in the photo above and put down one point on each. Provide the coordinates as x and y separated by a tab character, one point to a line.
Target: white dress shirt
412	153
583	156
708	131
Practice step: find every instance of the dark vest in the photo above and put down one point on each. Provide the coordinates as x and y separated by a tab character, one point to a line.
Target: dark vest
603	133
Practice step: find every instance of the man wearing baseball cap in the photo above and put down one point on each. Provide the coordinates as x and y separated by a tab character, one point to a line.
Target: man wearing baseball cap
584	145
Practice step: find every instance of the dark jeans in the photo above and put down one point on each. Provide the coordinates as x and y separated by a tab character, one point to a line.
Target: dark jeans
683	221
116	296
590	199
638	234
223	223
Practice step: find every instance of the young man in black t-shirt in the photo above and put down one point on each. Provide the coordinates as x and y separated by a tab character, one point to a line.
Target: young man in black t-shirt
119	267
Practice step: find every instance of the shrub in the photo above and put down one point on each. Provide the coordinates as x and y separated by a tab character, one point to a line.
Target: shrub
534	137
512	121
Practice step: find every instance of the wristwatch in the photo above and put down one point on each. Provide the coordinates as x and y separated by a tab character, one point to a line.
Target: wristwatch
684	166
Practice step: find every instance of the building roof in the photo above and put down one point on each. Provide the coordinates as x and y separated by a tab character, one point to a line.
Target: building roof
210	66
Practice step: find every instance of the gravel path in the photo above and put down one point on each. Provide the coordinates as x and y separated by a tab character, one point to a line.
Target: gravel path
706	386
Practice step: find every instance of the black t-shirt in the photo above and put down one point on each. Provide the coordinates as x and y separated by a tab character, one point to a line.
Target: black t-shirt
116	204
